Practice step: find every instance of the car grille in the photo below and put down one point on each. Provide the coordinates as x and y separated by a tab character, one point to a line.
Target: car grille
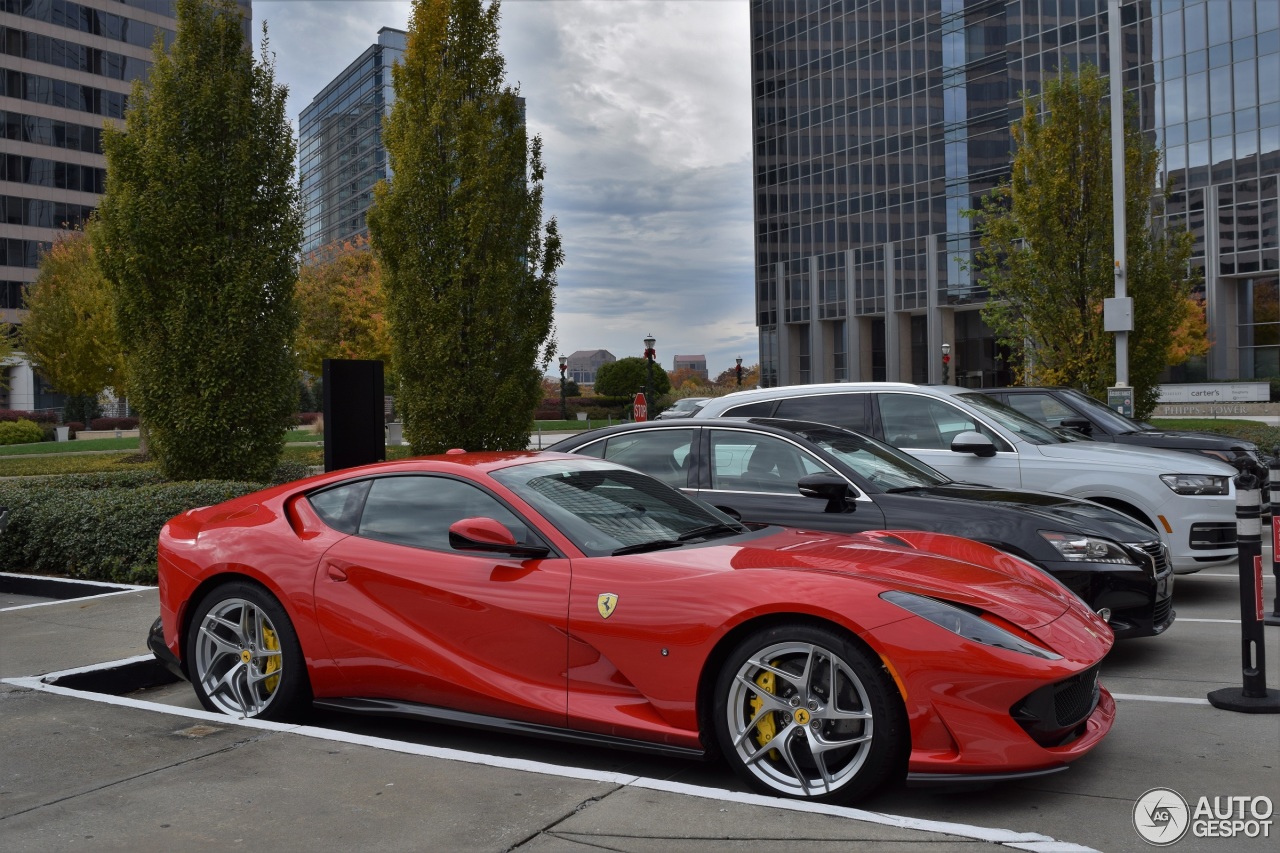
1156	555
1054	714
1161	612
1213	535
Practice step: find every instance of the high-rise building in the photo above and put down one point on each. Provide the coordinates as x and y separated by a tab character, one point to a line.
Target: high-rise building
340	151
877	123
66	68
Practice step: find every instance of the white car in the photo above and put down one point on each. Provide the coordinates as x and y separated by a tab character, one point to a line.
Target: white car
1188	500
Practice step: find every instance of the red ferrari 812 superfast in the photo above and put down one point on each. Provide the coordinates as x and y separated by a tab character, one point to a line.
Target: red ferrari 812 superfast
563	596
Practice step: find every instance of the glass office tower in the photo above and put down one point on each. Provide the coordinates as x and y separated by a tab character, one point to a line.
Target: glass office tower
340	151
879	122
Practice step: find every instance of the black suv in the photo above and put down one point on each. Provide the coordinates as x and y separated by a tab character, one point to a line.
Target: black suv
1075	410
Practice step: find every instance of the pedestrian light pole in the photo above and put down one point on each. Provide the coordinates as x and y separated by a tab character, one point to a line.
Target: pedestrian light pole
564	411
946	364
649	354
738	370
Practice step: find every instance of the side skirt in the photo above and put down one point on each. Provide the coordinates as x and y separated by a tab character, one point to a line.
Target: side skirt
415	711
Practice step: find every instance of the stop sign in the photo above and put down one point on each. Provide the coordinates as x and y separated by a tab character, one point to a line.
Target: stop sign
641	408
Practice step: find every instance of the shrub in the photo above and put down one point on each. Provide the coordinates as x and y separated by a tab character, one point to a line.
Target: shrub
113	423
305	418
46	416
74	426
98	526
20	432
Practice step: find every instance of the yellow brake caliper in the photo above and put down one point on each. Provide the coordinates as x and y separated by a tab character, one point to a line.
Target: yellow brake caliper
272	643
766	728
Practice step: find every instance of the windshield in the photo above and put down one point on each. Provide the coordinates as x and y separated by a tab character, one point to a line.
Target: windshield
1104	414
1014	421
604	508
879	463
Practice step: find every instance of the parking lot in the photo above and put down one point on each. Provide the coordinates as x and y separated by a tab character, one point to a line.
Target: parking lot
98	758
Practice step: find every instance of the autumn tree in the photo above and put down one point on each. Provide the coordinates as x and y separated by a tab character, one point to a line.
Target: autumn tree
627	376
467	264
70	335
729	378
200	234
342	308
1046	247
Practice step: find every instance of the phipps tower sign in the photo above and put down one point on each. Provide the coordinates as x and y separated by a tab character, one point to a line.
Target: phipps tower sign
1210	399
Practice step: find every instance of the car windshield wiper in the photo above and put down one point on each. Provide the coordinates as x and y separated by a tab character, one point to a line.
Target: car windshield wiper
652	545
708	530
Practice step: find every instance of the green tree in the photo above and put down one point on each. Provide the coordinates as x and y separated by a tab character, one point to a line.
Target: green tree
1046	247
6	352
342	308
200	234
626	376
70	335
468	267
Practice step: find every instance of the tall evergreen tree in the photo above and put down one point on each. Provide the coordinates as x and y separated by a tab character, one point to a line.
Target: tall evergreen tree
468	266
1047	248
201	229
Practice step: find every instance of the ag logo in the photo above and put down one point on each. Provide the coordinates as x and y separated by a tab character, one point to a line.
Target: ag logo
1161	816
606	604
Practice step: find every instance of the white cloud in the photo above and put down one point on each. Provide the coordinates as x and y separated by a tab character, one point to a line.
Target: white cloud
644	111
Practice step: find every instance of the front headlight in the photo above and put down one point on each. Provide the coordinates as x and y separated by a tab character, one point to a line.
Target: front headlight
965	624
1197	484
1079	548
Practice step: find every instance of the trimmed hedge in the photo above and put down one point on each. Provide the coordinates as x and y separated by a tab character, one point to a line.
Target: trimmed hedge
45	416
20	432
113	423
103	526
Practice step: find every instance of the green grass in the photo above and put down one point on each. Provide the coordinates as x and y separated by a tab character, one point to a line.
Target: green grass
570	426
1266	437
77	446
85	463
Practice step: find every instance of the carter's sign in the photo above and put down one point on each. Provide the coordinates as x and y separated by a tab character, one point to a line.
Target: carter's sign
1216	392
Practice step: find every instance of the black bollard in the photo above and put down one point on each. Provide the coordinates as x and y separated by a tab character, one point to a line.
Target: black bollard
1253	697
1273	472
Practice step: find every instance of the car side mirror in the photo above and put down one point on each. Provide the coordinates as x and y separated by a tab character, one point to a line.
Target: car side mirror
975	443
838	494
486	534
1081	425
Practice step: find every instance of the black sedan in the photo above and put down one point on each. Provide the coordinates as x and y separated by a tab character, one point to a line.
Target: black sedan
821	477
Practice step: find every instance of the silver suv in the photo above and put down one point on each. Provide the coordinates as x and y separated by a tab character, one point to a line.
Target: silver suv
1188	500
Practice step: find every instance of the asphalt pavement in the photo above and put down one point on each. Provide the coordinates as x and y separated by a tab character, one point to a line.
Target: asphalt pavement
98	753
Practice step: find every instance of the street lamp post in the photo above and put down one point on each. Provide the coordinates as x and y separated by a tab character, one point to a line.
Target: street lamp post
946	364
564	412
738	370
649	354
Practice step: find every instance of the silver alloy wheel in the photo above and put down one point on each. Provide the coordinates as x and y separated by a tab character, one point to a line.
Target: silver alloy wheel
238	660
799	719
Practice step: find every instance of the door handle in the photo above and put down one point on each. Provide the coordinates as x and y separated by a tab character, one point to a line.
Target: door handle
336	573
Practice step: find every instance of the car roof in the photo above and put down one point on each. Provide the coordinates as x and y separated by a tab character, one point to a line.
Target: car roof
720	404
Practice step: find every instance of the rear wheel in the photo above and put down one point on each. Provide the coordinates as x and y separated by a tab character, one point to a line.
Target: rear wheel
243	655
804	712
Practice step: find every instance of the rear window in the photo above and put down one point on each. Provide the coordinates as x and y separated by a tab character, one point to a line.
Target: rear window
842	410
762	409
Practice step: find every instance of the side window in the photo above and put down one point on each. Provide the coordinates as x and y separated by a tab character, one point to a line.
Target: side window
911	420
595	449
763	409
842	410
417	511
747	462
340	506
662	454
1041	408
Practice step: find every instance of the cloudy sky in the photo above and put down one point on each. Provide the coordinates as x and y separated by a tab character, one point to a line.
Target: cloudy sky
643	107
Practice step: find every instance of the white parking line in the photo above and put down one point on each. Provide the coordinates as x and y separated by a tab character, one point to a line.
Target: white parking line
1030	841
116	589
1228	621
1175	700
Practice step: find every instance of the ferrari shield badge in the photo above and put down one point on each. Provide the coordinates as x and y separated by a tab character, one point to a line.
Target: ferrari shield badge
606	604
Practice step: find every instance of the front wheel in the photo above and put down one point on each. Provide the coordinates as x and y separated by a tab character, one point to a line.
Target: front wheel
243	655
806	713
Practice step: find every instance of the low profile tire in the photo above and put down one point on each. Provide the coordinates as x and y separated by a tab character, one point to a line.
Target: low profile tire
803	712
243	655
